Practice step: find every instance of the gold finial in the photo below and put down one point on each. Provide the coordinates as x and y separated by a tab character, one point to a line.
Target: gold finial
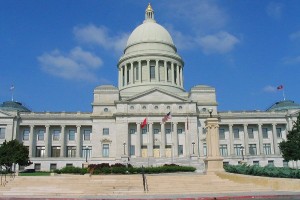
149	8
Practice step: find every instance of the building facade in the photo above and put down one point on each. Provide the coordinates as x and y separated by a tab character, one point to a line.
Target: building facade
150	86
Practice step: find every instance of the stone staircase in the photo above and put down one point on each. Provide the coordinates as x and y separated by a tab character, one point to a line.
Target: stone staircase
122	185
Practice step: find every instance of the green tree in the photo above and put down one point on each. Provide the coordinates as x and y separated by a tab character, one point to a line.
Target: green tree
290	148
14	152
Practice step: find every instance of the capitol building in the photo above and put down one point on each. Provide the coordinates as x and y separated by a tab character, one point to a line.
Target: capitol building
149	119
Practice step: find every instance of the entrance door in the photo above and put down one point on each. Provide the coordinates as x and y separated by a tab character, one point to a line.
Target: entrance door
144	152
168	151
156	152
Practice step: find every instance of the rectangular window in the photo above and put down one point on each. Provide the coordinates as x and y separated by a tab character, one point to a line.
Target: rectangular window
236	133
271	163
86	152
237	149
168	131
204	149
132	150
55	151
267	148
53	166
256	162
180	150
250	133
265	132
86	135
278	132
132	131
106	131
37	166
105	150
55	136
222	134
2	133
179	131
252	149
223	150
41	135
69	165
156	131
40	151
26	134
152	72
71	151
144	131
285	163
71	135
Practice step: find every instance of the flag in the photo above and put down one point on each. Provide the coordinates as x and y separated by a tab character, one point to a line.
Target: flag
144	123
167	117
280	87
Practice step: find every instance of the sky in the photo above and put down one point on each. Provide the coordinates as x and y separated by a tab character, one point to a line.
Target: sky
55	53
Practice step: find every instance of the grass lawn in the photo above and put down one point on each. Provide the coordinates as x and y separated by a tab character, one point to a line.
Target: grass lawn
35	174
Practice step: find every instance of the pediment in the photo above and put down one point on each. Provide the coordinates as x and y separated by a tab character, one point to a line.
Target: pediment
157	95
5	114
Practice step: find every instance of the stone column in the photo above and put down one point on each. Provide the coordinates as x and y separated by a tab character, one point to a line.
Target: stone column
132	73
188	143
166	71
31	141
175	140
275	145
163	140
181	76
260	138
125	75
120	77
246	149
213	162
47	141
172	72
156	71
138	139
177	77
231	139
78	141
150	140
62	142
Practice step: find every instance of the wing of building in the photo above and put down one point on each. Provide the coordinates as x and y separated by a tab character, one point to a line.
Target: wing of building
149	119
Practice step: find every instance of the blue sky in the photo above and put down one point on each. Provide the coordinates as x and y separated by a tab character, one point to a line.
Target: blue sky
56	52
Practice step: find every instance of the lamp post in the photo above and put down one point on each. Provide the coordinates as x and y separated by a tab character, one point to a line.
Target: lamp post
242	152
86	153
193	143
210	110
124	146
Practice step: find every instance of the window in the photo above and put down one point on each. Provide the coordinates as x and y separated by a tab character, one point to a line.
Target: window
37	166
105	109
267	148
179	131
168	107
106	131
55	136
53	166
204	149
180	107
26	134
2	133
223	150
132	131
41	135
271	163
168	131
237	149
156	131
86	135
252	149
225	163
136	73
105	150
131	107
71	151
278	132
152	72
222	134
71	135
132	150
144	131
285	163
180	150
40	151
86	152
156	107
265	132
69	165
236	133
250	133
256	162
144	107
55	151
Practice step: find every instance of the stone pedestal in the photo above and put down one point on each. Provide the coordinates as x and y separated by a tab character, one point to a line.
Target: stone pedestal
193	157
125	159
85	165
213	164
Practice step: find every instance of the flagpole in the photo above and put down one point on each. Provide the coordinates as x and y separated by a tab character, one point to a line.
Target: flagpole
283	94
12	92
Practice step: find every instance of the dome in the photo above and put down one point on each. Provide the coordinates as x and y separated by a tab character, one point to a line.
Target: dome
284	105
13	106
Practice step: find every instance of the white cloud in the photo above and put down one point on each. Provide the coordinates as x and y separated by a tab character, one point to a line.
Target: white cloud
274	10
295	35
270	89
221	42
100	36
76	65
291	60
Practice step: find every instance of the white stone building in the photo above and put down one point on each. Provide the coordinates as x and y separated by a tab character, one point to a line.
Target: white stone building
150	85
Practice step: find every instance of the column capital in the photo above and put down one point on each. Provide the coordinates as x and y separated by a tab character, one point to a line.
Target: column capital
47	126
245	125
63	126
230	125
274	124
78	126
31	126
259	124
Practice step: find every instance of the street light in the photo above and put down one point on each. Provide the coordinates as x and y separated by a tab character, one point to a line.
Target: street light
124	145
193	143
210	110
242	152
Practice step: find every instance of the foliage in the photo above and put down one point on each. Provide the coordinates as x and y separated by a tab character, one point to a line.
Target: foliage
14	152
71	170
41	173
291	147
269	171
